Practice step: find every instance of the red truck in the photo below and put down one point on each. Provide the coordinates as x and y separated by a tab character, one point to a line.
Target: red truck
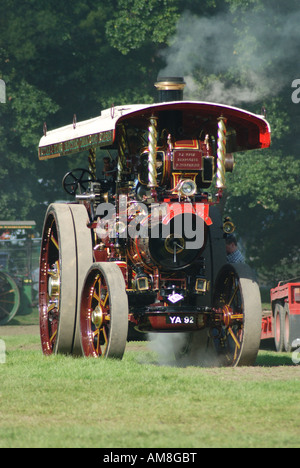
283	323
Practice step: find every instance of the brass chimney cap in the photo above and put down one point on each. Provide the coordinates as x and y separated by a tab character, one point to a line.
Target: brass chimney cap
170	84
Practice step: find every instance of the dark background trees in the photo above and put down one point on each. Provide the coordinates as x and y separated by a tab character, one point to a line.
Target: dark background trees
78	57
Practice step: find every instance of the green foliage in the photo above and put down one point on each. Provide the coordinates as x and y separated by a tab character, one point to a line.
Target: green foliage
244	5
266	178
136	22
30	106
56	60
264	193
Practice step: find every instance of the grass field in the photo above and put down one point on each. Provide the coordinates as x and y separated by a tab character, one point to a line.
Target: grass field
61	401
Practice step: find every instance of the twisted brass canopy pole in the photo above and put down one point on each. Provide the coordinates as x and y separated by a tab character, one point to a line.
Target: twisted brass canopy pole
152	140
92	161
221	154
122	150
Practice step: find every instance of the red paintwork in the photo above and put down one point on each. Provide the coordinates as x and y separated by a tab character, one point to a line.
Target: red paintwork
267	330
200	209
285	292
288	292
252	130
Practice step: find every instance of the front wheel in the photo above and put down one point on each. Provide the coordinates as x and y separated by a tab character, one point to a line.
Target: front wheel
104	312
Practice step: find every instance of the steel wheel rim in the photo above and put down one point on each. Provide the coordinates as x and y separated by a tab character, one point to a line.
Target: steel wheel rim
104	312
49	304
95	323
228	338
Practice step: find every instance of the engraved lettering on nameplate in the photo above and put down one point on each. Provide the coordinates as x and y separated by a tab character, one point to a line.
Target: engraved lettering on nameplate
185	160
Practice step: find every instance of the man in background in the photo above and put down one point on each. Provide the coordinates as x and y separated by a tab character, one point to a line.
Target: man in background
233	253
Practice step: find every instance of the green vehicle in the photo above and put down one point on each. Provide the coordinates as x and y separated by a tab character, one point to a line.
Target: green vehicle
19	252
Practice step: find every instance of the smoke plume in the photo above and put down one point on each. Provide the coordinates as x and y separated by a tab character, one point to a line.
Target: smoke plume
256	64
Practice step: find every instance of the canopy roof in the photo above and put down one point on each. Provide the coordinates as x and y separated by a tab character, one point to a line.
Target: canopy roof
251	131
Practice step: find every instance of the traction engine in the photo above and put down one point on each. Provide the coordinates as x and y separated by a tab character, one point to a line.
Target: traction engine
141	249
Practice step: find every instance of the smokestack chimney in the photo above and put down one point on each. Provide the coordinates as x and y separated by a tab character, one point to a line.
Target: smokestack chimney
170	88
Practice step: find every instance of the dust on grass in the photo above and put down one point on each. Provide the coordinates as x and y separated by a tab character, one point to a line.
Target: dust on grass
270	366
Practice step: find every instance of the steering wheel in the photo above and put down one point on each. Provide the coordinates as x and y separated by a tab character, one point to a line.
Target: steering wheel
77	179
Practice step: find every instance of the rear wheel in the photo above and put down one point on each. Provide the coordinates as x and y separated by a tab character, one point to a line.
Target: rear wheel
237	338
233	336
66	252
104	312
84	258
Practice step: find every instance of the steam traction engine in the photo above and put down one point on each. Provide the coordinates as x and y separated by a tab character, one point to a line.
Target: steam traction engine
142	249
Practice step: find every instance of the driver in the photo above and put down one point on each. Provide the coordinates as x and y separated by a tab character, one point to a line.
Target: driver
109	168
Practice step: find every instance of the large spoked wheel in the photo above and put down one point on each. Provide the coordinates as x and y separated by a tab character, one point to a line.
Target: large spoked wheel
9	298
237	297
104	312
66	254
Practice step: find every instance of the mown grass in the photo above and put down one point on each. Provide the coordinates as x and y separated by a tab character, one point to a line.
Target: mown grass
61	401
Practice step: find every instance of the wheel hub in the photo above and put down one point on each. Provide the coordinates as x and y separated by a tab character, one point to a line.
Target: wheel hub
53	282
97	316
227	315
